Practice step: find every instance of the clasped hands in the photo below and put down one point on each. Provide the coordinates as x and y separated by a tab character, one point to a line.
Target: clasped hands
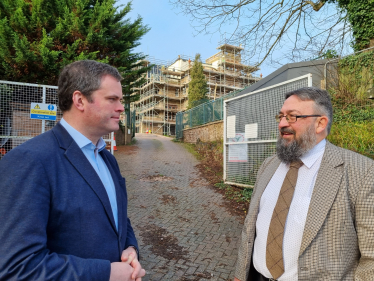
127	270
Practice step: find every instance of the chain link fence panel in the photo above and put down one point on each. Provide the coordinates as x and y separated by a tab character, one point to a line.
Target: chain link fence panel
207	112
250	130
16	126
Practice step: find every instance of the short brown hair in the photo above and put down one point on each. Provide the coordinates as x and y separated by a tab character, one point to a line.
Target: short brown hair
321	99
84	76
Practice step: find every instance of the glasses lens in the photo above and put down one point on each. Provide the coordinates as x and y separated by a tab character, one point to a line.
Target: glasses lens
291	118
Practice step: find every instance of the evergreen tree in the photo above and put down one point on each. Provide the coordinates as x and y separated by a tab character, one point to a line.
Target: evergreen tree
39	37
198	86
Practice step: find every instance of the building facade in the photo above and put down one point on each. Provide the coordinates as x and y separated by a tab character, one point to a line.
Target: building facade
166	89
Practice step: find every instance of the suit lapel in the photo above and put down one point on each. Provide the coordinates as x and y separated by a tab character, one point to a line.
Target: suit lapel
79	161
325	189
119	198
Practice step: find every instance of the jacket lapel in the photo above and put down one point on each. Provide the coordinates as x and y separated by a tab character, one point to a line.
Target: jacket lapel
79	161
325	189
116	178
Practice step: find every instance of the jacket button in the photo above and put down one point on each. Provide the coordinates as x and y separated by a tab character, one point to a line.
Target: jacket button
303	268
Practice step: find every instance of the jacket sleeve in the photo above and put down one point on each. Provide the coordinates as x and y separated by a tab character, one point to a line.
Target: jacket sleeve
130	235
365	227
24	213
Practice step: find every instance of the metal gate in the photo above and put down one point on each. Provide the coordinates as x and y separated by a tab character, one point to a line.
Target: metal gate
250	130
16	127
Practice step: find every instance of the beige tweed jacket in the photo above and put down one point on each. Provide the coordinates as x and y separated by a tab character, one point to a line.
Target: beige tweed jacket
338	239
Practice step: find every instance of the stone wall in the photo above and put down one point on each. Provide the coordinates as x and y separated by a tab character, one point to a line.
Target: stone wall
206	133
122	138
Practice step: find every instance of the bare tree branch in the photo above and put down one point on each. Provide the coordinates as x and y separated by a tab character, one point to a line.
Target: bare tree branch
266	27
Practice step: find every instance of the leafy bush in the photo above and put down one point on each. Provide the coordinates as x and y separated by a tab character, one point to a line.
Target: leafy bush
355	136
353	126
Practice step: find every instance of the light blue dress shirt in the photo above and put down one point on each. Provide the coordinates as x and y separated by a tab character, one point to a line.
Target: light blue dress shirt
91	151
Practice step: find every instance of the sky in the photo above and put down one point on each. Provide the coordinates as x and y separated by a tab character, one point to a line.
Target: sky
171	33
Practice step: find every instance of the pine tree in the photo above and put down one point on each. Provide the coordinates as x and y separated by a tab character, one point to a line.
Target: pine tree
198	86
39	37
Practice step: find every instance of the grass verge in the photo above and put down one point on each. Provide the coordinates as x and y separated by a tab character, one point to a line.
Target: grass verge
210	156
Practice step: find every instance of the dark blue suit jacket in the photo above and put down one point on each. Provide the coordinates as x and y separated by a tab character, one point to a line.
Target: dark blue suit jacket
56	222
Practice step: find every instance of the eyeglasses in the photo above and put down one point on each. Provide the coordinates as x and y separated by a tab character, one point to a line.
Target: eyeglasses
292	118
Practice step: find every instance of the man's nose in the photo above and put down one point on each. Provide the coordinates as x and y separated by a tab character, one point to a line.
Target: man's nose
121	108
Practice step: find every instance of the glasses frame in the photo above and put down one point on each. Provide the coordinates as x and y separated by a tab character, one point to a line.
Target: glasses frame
279	119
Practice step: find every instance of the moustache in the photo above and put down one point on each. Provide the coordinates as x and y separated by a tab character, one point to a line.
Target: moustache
287	130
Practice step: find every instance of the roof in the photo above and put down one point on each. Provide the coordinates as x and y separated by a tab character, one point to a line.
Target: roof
300	68
228	46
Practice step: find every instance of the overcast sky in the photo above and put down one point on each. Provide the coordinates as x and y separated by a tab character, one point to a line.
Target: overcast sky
171	33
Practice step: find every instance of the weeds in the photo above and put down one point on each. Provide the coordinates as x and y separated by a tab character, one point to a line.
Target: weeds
355	136
350	86
211	156
191	149
133	141
236	194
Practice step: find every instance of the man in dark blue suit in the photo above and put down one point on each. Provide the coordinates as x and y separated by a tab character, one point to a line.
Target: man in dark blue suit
63	201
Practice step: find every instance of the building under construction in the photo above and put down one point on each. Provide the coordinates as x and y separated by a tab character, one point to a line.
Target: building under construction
166	89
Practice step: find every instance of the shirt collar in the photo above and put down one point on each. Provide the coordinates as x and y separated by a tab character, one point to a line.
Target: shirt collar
312	155
80	139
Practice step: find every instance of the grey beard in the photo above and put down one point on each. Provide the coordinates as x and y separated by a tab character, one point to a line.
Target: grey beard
291	151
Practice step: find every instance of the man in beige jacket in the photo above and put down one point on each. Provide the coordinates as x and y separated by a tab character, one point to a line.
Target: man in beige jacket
319	223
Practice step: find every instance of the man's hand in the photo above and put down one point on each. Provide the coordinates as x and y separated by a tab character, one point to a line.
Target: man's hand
130	257
236	279
120	271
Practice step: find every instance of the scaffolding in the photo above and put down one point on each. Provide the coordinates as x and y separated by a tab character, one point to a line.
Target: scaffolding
165	91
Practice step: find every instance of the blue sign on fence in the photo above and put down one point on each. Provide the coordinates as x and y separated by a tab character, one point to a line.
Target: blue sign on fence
43	111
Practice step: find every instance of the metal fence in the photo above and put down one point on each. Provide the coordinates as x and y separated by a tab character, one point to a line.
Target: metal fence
250	130
207	112
16	126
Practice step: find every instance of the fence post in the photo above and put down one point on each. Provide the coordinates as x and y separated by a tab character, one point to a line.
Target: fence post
224	139
213	106
190	119
221	108
44	98
203	113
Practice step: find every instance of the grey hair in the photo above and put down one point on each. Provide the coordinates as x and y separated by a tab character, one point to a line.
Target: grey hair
84	76
321	99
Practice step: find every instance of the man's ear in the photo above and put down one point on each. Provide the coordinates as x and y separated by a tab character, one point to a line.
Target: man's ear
321	124
79	100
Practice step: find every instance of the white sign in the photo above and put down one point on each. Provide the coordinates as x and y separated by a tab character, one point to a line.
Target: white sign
238	152
230	127
251	131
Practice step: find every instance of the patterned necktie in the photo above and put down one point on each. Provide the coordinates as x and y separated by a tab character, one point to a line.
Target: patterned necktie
274	255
